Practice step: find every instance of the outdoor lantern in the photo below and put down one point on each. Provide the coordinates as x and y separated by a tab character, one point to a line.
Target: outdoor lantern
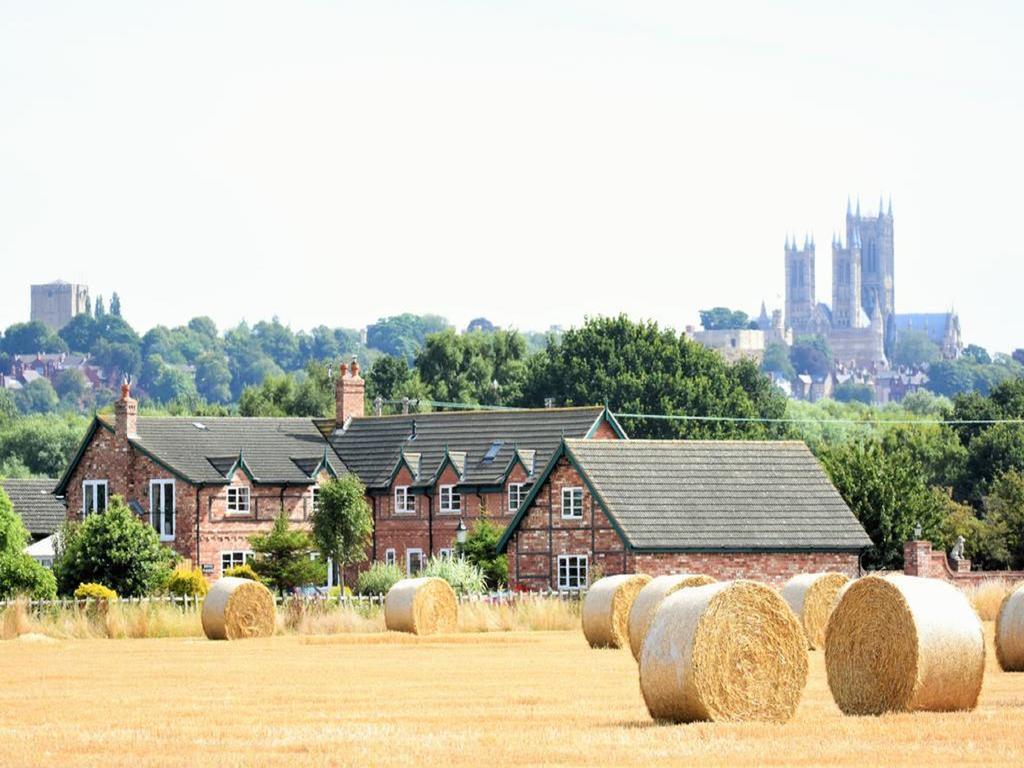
460	532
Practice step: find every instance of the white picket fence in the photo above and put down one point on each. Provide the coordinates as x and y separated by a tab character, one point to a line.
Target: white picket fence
191	604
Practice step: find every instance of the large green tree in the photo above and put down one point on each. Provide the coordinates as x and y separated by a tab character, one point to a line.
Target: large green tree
343	522
723	318
403	335
641	368
887	491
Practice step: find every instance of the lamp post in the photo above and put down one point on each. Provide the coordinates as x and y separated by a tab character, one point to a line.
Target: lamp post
460	532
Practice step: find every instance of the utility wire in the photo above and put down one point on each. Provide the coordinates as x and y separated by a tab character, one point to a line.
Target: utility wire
729	419
766	420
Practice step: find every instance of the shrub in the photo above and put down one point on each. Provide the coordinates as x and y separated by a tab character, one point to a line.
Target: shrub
481	549
379	578
186	581
93	591
463	576
283	557
22	576
114	548
243	571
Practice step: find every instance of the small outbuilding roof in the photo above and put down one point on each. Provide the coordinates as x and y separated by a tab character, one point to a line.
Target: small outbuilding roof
708	495
33	500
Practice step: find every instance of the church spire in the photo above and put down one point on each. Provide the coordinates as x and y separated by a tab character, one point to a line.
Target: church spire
881	207
858	207
890	206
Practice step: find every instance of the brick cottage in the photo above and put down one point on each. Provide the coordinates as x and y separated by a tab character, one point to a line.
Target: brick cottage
729	509
208	484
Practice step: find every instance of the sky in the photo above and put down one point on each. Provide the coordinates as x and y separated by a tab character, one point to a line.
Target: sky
532	162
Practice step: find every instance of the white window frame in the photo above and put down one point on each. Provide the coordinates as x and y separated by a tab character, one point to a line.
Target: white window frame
157	507
390	557
90	492
239	491
582	568
315	503
569	500
520	496
407	505
233	554
446	553
451	500
408	560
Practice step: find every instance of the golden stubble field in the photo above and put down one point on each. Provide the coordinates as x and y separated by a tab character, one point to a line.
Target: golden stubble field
473	699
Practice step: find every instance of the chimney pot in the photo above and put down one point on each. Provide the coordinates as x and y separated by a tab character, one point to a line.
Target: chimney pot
349	394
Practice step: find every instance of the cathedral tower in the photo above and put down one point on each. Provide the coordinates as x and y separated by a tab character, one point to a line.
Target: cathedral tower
846	284
800	299
876	261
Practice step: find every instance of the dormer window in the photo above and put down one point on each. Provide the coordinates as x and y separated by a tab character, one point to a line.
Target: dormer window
451	500
405	502
238	500
516	496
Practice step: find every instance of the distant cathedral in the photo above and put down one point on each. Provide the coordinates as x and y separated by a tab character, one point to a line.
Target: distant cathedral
861	324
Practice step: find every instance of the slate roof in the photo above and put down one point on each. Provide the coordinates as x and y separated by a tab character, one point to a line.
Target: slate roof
706	495
40	511
372	446
208	450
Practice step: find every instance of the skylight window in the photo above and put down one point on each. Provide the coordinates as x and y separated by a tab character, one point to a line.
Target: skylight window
492	452
199	425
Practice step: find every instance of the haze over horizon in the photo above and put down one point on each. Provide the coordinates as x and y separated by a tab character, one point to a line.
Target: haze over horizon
535	163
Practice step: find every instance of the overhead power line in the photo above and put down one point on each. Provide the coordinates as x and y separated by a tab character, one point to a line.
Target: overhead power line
783	420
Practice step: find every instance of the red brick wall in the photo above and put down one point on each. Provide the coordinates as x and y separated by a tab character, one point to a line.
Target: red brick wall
919	559
604	431
430	529
543	535
128	473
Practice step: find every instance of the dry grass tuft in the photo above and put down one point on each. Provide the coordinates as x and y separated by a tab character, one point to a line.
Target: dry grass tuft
726	651
987	596
902	643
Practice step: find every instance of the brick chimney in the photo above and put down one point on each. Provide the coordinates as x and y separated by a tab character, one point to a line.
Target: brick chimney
126	414
349	393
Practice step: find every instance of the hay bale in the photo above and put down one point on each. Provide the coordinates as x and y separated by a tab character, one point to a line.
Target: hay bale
1010	632
606	609
650	597
421	606
732	650
812	596
903	643
236	609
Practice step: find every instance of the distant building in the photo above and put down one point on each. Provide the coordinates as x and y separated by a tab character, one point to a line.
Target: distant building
733	344
943	329
54	304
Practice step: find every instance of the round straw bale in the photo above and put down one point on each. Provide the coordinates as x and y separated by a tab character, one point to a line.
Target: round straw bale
606	609
1010	632
903	643
421	606
650	597
732	650
812	596
235	609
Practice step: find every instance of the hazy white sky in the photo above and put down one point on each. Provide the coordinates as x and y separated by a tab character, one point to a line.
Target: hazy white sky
533	162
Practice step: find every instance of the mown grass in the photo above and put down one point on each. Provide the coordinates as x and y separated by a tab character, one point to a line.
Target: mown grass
536	698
